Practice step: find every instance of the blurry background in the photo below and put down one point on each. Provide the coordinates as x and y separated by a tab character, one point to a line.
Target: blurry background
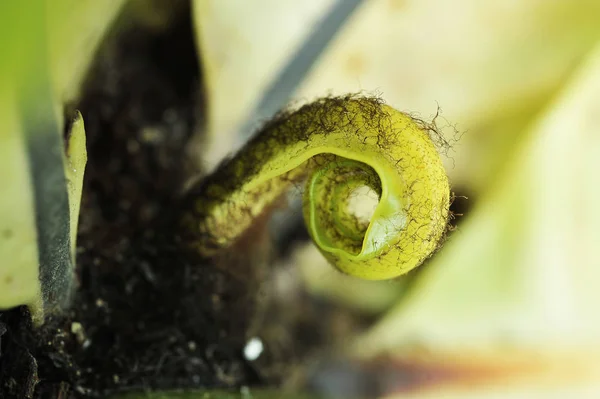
508	308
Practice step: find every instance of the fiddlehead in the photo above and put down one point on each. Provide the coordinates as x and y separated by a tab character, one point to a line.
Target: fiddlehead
336	145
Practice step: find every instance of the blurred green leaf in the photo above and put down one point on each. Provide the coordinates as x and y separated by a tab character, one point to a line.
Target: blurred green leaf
46	49
19	282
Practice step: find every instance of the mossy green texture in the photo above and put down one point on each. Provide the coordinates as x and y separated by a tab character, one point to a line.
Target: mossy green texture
338	144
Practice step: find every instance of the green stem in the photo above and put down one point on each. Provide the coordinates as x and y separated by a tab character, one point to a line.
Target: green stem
338	145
